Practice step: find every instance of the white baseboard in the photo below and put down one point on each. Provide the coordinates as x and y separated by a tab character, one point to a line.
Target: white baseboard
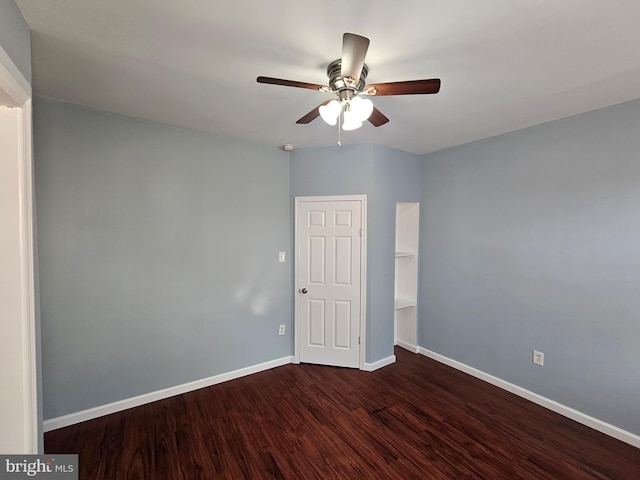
370	367
606	428
91	413
407	346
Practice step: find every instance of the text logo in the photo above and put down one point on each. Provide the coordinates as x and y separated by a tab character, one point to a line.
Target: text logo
51	467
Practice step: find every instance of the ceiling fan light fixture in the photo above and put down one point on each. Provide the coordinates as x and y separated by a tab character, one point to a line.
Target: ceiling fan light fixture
362	108
347	81
331	111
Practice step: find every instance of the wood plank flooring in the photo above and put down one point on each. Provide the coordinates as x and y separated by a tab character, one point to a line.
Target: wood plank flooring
415	419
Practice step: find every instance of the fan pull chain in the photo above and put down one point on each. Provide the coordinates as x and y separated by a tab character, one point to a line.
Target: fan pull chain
339	128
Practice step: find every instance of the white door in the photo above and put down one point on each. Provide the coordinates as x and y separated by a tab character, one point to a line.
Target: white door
330	280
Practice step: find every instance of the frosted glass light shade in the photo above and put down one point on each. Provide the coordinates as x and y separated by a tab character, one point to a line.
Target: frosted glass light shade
351	121
330	112
362	108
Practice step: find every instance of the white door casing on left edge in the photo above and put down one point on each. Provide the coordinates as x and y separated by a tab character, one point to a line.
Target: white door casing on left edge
329	280
18	376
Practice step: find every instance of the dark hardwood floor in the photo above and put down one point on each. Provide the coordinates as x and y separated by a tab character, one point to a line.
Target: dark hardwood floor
413	419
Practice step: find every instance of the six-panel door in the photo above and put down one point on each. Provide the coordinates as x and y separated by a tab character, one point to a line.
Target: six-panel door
329	242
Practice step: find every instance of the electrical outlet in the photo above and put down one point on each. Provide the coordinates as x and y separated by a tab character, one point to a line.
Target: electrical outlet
538	358
281	330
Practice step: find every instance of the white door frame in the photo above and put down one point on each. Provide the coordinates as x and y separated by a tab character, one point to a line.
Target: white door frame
15	91
363	270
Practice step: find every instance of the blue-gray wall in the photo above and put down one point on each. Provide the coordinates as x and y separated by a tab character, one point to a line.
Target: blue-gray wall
386	176
158	255
397	178
15	37
531	240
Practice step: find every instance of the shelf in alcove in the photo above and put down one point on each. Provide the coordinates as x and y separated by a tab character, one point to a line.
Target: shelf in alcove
399	303
405	254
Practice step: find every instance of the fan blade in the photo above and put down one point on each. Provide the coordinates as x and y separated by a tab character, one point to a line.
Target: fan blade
312	115
377	118
354	50
411	87
290	83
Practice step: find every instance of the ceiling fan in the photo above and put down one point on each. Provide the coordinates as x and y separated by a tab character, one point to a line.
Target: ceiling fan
347	77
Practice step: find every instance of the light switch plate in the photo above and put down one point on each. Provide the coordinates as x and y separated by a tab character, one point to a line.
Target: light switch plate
281	257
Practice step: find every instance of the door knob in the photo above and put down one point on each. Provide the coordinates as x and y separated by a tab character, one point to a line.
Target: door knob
303	291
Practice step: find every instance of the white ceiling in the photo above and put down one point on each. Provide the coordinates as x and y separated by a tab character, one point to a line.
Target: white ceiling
504	64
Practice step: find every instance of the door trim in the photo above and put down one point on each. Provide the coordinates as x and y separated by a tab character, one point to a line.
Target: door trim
17	93
363	270
16	87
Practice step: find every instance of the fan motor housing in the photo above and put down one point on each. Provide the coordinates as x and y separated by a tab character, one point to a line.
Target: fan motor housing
338	84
